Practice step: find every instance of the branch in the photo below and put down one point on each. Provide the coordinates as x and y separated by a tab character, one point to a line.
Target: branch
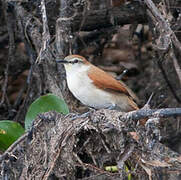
58	143
35	39
97	19
166	40
45	34
166	78
163	27
152	113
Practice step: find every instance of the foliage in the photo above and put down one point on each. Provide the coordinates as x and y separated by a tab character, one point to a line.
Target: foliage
9	132
43	104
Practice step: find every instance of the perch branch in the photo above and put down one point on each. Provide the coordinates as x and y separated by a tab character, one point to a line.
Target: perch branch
133	115
64	133
151	113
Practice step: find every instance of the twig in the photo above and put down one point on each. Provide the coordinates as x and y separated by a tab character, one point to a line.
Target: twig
10	28
3	38
168	82
97	19
167	37
25	100
176	65
150	98
164	27
126	154
177	25
13	146
84	16
5	84
151	113
19	96
120	77
45	34
27	39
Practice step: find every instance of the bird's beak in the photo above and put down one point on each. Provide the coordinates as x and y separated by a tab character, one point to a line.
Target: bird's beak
61	61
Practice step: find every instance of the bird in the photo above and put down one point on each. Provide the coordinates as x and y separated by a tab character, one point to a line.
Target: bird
94	87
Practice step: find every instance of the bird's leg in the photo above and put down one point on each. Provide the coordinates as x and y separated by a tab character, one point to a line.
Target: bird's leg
113	107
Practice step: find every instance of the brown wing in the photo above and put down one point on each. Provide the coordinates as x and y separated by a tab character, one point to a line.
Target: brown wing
133	104
105	81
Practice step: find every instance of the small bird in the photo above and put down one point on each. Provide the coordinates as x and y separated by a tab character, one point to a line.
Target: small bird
96	88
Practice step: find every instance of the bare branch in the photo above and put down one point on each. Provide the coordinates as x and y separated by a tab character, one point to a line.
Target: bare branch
45	34
166	40
152	113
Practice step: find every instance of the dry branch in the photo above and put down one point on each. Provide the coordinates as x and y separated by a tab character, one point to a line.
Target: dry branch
57	144
10	27
97	19
167	42
163	27
152	113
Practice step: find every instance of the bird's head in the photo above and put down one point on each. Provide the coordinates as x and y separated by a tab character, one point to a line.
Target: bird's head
73	62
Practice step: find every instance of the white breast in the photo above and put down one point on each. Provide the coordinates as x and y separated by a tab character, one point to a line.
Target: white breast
82	88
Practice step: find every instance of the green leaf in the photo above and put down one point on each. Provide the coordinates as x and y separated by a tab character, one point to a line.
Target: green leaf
43	104
127	171
10	131
111	168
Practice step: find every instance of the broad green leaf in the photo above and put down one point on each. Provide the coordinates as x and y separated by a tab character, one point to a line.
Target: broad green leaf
10	131
43	104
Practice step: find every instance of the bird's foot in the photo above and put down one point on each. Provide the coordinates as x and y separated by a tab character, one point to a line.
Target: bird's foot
114	107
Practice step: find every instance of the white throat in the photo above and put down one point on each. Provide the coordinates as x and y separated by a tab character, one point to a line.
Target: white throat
76	70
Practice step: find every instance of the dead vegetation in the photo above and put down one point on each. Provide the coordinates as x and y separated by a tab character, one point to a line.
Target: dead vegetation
140	36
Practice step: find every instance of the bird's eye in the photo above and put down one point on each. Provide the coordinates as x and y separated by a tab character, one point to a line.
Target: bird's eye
75	61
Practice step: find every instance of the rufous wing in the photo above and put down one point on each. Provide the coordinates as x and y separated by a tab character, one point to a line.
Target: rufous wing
133	104
105	81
